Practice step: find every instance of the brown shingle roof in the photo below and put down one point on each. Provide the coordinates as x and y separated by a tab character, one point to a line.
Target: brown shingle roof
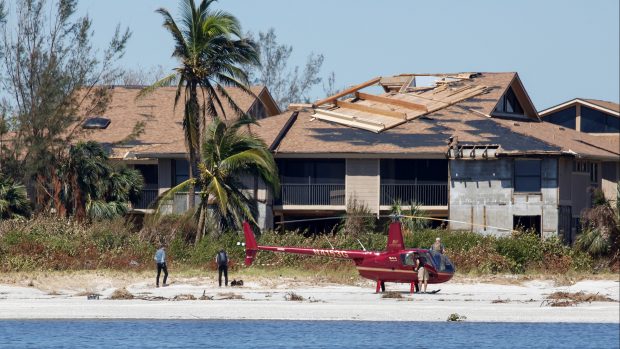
605	104
163	130
468	120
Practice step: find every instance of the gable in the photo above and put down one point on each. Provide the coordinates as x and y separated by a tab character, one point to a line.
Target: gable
515	102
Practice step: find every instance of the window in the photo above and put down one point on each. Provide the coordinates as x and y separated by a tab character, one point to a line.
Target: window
595	121
565	117
308	171
527	224
527	176
96	123
593	173
509	103
149	173
180	171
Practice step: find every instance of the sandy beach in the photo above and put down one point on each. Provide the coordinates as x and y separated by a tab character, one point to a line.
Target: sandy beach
501	300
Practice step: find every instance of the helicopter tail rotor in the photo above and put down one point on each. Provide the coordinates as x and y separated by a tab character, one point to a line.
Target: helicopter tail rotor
250	244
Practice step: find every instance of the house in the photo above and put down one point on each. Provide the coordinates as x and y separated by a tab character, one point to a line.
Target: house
468	147
595	117
147	134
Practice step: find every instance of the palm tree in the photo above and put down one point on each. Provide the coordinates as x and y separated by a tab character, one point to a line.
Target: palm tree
13	199
94	188
229	152
211	50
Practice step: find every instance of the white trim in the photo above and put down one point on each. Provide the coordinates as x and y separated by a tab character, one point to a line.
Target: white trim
547	111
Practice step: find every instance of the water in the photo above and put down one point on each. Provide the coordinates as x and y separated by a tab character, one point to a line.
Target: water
301	334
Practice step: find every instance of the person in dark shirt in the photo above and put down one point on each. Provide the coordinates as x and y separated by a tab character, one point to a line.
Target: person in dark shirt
160	259
222	266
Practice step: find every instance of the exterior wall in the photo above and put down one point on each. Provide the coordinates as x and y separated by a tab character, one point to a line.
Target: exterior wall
610	175
164	173
362	182
482	194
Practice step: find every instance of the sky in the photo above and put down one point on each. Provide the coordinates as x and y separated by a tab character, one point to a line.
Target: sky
561	49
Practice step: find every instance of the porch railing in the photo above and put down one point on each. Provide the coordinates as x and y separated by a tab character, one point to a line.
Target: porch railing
312	194
146	198
422	194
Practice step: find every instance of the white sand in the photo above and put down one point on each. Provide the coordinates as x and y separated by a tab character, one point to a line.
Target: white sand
525	302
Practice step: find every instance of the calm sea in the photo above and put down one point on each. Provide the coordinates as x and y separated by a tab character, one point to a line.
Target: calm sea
120	334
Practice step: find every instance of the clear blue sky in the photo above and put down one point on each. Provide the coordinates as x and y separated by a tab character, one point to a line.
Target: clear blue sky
561	49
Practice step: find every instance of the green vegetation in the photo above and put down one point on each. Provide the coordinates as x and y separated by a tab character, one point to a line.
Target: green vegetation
14	201
48	243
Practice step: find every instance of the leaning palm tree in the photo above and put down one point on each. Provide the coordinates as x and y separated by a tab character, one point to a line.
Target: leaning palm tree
229	152
210	48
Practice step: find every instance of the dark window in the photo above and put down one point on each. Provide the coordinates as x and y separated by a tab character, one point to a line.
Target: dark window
565	117
180	171
595	121
96	123
407	171
509	103
527	223
149	173
527	176
309	171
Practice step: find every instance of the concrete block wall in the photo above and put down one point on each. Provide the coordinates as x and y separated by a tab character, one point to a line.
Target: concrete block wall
362	181
482	197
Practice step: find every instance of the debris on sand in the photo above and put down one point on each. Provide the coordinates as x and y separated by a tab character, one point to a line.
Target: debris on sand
292	296
456	317
229	295
392	294
568	299
121	293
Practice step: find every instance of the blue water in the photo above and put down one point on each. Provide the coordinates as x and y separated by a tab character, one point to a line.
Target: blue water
301	334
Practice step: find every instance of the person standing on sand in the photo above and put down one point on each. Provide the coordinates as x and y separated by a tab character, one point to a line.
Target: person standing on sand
422	272
437	246
160	259
222	266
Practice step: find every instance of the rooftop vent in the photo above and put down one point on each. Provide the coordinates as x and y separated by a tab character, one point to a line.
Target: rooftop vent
96	123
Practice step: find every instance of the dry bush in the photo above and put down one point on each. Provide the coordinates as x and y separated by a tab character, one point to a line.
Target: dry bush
392	294
292	296
481	258
498	301
579	297
121	293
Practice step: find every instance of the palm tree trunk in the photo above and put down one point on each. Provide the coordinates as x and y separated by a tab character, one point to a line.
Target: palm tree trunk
201	225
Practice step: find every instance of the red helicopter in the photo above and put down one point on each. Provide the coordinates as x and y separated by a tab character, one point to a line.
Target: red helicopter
395	264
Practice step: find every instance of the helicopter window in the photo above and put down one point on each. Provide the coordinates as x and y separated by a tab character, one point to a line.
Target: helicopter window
408	258
442	262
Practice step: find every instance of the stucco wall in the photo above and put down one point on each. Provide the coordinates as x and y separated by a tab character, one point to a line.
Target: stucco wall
362	182
482	198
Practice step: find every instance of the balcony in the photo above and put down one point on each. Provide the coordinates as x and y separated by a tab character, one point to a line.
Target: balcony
178	204
148	196
312	195
435	194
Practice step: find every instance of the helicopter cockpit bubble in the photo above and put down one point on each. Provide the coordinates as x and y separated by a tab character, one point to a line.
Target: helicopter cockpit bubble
442	262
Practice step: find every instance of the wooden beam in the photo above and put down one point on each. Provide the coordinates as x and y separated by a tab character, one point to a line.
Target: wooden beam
371	110
346	92
392	101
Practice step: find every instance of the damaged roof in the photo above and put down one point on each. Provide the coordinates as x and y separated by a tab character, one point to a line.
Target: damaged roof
464	106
